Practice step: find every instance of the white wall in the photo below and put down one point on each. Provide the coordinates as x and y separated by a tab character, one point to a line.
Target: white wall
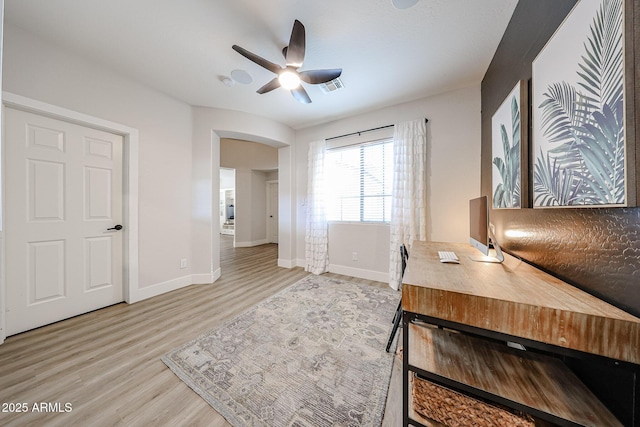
250	208
258	207
453	140
39	70
287	207
243	207
368	243
205	242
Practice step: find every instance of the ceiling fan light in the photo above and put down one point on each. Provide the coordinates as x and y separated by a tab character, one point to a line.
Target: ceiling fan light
289	80
403	4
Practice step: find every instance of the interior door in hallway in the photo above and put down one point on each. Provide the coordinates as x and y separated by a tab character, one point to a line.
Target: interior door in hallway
63	201
272	212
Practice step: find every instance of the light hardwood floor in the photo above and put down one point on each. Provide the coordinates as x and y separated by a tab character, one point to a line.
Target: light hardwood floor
106	364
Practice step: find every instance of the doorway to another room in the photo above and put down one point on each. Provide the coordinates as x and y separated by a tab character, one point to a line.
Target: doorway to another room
227	201
254	167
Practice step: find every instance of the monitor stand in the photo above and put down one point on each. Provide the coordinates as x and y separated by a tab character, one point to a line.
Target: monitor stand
499	256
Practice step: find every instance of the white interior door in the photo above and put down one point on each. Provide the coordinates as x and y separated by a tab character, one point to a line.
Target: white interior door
272	212
63	194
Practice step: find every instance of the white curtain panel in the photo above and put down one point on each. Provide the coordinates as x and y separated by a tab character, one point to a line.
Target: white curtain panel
316	235
408	196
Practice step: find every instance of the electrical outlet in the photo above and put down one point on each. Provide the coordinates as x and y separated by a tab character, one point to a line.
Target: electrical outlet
183	263
354	256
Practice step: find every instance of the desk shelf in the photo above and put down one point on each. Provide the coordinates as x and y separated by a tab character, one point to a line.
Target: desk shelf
483	304
534	383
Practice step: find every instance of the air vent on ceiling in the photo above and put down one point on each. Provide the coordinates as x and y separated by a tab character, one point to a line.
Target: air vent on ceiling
332	85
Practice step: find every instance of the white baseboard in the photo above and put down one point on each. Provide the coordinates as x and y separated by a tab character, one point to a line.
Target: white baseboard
216	275
285	263
250	244
360	273
171	285
202	279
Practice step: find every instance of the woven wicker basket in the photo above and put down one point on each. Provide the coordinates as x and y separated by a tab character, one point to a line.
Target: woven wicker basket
454	409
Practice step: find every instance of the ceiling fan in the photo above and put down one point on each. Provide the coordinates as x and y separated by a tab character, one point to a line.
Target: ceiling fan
288	76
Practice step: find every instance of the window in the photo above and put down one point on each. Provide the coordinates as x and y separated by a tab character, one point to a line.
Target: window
359	179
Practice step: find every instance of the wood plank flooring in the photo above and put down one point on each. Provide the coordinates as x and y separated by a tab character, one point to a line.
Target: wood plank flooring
106	364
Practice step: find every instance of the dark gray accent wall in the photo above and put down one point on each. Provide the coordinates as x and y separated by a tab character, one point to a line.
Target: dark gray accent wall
595	249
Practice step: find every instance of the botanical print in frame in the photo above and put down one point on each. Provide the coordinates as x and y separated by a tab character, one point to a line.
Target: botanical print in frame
506	143
578	110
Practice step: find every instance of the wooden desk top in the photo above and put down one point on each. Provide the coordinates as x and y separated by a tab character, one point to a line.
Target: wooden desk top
516	299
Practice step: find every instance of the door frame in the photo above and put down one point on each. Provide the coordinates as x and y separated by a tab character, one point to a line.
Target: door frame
130	174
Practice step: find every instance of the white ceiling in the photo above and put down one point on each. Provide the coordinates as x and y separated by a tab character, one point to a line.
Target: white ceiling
183	47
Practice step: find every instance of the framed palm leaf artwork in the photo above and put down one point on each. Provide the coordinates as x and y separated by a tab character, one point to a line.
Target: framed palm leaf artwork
578	110
508	143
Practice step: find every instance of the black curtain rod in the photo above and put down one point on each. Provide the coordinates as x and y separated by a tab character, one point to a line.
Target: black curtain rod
364	131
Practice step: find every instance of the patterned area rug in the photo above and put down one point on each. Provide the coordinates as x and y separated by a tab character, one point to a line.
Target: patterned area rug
312	355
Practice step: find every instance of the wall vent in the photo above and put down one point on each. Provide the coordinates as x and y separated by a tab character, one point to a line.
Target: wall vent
332	85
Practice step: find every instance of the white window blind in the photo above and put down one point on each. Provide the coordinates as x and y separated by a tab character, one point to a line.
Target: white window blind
359	179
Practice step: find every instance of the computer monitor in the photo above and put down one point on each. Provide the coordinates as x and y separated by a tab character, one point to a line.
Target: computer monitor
481	230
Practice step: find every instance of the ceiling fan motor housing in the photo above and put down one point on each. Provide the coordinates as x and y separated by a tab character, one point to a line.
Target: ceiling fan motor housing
289	77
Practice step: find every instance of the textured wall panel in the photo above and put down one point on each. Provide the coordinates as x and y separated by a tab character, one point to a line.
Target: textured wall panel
597	250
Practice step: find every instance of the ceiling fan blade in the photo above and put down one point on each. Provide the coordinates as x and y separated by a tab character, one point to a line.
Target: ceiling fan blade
295	51
273	84
274	68
301	95
315	77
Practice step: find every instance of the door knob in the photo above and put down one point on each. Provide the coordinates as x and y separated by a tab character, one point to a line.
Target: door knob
117	228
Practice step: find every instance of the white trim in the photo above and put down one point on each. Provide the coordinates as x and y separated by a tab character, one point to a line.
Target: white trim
216	274
202	279
360	273
163	287
286	263
378	276
130	187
